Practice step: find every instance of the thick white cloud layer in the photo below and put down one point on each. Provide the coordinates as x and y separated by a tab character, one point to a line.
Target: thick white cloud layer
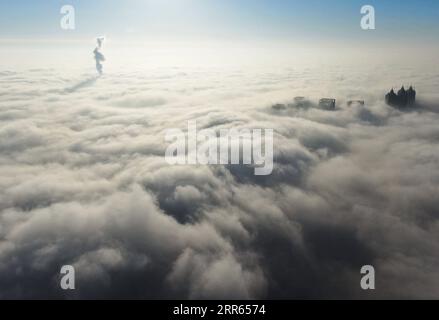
84	182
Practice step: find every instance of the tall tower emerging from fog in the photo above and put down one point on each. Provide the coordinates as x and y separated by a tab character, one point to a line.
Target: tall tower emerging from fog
99	57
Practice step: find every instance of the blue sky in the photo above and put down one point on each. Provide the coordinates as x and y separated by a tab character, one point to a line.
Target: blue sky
331	20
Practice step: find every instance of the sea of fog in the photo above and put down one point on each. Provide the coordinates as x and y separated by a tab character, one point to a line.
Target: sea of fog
84	182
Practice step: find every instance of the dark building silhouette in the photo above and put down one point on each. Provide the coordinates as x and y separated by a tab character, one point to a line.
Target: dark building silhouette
403	99
327	104
356	102
411	95
392	98
301	102
279	106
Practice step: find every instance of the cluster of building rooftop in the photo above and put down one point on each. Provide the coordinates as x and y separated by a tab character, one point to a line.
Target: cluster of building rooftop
402	99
